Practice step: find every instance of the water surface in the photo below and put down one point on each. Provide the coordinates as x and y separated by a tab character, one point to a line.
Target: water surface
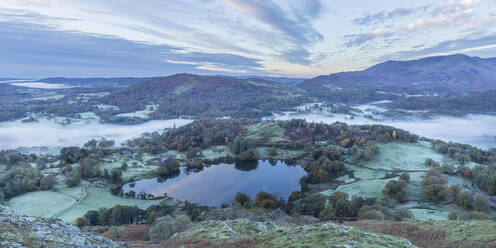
219	184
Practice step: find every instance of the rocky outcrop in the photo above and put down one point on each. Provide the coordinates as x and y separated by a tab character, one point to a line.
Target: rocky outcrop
17	230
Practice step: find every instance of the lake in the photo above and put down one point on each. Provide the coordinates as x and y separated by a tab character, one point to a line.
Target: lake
219	184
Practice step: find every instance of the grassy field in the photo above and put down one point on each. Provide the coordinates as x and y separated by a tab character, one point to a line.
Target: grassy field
263	130
404	156
99	196
365	188
135	169
370	181
45	203
215	152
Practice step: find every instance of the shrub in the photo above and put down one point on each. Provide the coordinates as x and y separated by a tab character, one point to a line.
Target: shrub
454	191
432	180
243	199
250	155
312	205
465	199
328	213
336	196
72	181
481	203
343	207
370	214
273	152
479	215
432	163
80	222
295	195
435	192
396	190
265	200
452	215
402	214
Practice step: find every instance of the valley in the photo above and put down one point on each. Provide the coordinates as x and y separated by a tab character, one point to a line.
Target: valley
244	159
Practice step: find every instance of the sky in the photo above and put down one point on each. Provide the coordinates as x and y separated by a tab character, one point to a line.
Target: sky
294	38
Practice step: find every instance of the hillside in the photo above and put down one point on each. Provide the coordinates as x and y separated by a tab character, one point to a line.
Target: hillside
458	105
245	233
456	74
206	96
281	80
22	231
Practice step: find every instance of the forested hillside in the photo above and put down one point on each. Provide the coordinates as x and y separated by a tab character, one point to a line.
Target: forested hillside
206	96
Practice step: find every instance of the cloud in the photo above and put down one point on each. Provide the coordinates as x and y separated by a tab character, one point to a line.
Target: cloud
298	31
465	44
223	62
35	51
381	17
355	40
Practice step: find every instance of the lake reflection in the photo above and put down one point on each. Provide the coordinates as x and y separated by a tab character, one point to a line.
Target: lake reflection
219	184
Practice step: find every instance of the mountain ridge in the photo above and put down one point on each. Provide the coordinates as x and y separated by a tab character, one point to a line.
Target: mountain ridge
455	74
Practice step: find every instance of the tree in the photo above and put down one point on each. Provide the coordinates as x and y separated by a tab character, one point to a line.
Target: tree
73	180
265	200
397	190
454	191
47	182
452	215
405	177
243	199
435	192
336	196
402	214
328	213
465	199
481	203
312	204
249	155
116	176
123	167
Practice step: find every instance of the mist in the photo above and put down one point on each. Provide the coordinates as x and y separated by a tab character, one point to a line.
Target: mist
52	137
476	130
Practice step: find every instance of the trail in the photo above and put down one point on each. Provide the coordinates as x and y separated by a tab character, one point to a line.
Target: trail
83	196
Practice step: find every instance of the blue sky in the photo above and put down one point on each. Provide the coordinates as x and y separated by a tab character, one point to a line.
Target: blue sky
303	38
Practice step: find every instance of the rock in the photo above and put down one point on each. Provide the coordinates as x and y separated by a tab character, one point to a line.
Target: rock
17	229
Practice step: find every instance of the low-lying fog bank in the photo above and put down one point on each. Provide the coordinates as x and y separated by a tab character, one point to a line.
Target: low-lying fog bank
476	130
48	136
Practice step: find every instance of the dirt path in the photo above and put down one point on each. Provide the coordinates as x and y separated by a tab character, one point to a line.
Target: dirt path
83	196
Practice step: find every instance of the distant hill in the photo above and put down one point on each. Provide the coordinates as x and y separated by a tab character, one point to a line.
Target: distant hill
206	96
93	82
281	80
455	74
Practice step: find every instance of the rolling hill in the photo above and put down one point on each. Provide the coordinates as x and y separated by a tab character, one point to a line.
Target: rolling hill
455	74
206	96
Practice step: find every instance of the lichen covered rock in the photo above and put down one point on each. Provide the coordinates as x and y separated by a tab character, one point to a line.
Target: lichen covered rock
17	230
